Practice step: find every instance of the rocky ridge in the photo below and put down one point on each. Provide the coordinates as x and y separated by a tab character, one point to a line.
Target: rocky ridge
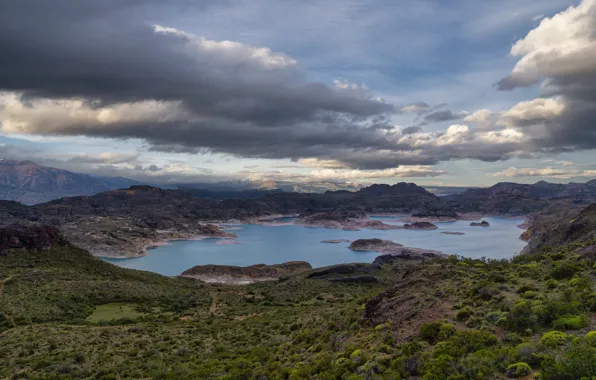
235	275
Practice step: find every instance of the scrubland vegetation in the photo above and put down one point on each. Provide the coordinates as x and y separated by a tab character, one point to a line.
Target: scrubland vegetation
65	314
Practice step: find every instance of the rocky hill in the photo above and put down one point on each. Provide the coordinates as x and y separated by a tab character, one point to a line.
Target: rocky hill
520	199
126	221
29	183
227	274
561	226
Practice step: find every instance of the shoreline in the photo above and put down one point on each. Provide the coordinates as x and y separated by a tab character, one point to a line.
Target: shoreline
160	243
263	221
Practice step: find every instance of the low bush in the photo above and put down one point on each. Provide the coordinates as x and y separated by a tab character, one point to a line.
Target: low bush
464	314
552	284
553	339
570	322
518	370
527	287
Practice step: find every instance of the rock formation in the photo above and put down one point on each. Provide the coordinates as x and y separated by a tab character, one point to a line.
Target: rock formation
420	226
39	238
234	275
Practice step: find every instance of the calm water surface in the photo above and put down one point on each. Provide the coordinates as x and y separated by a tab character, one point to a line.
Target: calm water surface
278	244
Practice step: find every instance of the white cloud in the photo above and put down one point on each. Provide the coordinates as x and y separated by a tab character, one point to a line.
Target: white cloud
483	118
318	163
549	171
400	172
106	158
532	112
49	115
234	51
561	45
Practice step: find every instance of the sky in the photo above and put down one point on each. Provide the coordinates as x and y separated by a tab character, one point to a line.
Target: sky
437	92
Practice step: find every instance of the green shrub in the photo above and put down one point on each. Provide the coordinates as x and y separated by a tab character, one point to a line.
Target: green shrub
580	283
525	352
464	314
440	368
527	287
462	343
552	284
553	339
434	332
446	331
575	362
521	317
430	331
530	294
591	338
518	370
570	322
563	270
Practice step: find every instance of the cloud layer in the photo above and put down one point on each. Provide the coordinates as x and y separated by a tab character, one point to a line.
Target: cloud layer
99	69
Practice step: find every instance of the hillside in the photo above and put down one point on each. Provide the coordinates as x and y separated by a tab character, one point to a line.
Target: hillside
65	314
520	199
562	226
126	221
29	183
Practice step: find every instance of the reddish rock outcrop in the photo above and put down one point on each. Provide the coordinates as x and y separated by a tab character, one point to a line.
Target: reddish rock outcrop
29	237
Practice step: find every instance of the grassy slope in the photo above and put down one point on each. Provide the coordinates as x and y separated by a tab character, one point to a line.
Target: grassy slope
438	320
65	283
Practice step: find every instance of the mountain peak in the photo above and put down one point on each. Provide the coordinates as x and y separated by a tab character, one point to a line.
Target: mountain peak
27	182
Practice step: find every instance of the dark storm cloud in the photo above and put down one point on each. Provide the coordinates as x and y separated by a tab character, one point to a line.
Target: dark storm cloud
410	130
230	98
441	116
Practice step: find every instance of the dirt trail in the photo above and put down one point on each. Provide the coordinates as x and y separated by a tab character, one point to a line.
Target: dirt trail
213	308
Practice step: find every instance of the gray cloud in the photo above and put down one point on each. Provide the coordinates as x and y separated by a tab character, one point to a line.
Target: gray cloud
410	130
207	96
442	116
105	158
99	69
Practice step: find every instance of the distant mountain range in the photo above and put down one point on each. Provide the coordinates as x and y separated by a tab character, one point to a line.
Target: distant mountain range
271	185
29	183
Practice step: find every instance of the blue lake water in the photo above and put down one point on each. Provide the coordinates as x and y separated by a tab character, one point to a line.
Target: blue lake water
278	244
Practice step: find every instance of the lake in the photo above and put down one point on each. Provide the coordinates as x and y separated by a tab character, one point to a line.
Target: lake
278	244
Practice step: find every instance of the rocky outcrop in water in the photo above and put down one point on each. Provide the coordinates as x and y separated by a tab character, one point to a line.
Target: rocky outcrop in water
346	220
337	241
484	223
376	245
234	275
420	226
452	233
